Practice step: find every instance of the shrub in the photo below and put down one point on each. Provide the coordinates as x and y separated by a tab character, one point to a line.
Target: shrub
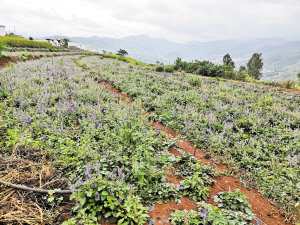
122	58
1	47
160	69
194	80
289	84
242	75
169	69
89	53
22	42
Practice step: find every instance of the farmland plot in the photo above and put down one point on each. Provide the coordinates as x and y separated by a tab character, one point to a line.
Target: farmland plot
252	128
115	161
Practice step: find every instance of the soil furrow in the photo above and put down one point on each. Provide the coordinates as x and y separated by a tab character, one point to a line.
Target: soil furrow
261	206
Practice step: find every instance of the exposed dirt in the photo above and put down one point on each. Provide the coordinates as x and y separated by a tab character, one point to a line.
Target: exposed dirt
6	60
116	91
265	210
174	151
172	177
189	148
261	207
162	212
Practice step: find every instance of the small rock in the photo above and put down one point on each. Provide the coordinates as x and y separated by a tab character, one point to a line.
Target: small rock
192	200
269	214
178	202
167	220
194	207
151	221
151	207
158	218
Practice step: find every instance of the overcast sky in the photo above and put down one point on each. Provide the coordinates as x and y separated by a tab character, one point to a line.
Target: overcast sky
175	20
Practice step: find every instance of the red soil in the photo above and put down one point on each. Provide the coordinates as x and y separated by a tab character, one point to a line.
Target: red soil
163	211
171	176
116	91
261	206
5	60
265	210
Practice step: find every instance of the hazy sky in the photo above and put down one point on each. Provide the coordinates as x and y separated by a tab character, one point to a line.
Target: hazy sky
175	20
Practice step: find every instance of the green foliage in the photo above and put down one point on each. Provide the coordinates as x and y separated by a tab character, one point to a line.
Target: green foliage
83	65
194	80
22	42
255	65
89	53
205	68
233	200
196	186
66	41
1	47
169	69
207	214
228	61
242	68
101	198
242	75
121	58
122	52
159	69
3	93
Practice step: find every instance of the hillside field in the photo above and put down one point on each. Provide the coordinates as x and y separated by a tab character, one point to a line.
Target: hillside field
136	146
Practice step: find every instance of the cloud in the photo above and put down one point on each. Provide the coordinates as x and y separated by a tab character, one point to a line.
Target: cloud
176	20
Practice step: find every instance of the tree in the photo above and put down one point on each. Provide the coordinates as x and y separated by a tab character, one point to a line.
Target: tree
66	41
255	65
122	52
242	68
10	34
228	61
298	75
31	38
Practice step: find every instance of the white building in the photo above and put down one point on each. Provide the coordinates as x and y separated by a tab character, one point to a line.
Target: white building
77	45
56	41
2	30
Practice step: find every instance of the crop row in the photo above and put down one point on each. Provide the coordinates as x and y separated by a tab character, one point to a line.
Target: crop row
22	42
114	159
251	127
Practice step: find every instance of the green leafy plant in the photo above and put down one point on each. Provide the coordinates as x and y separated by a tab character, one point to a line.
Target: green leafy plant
159	69
1	47
169	69
207	214
194	80
196	186
234	200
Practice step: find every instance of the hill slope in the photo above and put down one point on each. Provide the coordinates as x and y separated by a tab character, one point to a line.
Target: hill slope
281	57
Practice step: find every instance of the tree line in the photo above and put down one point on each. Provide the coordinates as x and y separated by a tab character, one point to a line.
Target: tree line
206	68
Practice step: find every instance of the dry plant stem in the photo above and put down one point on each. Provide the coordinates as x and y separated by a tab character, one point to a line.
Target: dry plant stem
34	189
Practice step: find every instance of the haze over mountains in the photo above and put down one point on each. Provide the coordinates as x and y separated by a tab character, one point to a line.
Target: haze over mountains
281	57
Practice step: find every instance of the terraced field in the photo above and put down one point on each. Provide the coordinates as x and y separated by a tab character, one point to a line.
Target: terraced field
101	129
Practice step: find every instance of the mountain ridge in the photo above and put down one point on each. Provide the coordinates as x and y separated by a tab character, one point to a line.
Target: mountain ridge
281	57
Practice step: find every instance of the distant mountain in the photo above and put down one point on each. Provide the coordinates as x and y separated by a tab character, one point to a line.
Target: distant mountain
281	57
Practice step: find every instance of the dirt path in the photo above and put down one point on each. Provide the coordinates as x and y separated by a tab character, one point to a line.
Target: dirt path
261	207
